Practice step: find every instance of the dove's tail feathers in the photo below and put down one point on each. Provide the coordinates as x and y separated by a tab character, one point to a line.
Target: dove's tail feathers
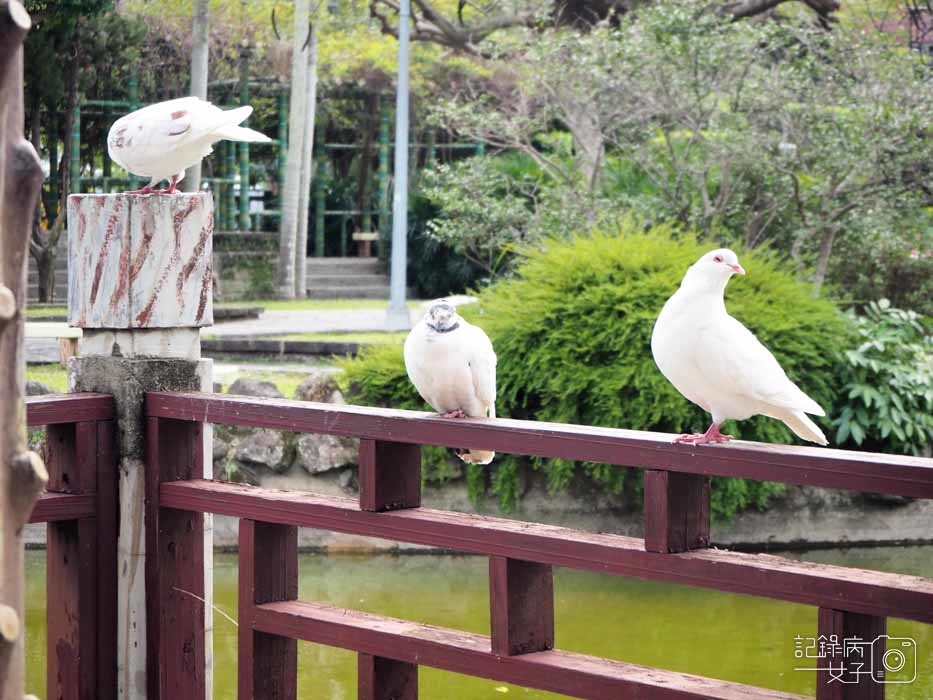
492	410
241	133
476	456
803	427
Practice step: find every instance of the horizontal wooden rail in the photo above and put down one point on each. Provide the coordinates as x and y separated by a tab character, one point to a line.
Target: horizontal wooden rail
56	409
557	671
54	507
857	471
840	588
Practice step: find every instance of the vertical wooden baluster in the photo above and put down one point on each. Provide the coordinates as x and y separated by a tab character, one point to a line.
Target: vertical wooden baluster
175	667
676	511
390	475
385	679
268	571
848	625
107	532
390	479
71	573
521	603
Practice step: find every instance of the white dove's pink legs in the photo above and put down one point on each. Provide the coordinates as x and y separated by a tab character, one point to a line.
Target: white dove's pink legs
453	414
712	434
172	186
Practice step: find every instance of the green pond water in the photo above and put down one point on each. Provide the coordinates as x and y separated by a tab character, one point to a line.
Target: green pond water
733	637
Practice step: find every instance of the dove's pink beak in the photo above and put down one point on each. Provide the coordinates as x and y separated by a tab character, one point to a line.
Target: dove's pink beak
737	269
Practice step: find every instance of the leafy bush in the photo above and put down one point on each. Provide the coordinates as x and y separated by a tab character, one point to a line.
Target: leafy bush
889	383
572	332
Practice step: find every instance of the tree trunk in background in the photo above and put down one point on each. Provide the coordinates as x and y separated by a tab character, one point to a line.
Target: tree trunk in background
44	244
822	263
288	232
301	249
22	473
199	55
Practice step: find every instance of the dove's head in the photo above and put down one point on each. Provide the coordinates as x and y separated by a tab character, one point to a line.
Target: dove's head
713	270
442	316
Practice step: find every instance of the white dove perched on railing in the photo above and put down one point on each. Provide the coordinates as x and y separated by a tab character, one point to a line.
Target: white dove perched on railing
162	140
453	367
717	363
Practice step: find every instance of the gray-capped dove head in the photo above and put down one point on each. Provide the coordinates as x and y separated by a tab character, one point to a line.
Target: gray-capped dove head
442	316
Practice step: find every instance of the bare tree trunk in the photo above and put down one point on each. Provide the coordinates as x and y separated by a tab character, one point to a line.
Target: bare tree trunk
22	473
288	232
589	140
44	244
199	55
822	263
301	250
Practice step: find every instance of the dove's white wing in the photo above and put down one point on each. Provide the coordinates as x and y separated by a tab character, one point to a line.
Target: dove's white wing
482	359
731	358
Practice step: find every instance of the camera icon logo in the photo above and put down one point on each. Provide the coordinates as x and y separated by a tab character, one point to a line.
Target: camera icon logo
894	659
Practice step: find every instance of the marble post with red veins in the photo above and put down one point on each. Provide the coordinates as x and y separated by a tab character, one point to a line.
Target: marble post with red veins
140	261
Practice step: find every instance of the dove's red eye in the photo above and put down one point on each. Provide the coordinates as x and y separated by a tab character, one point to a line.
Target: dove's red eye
718	258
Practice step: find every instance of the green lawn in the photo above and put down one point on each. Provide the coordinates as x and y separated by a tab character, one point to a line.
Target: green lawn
42	311
285	382
53	376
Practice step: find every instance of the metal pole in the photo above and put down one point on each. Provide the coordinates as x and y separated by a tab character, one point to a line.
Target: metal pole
384	214
397	317
244	147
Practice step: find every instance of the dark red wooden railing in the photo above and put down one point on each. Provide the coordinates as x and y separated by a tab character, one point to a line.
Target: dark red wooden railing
520	647
80	507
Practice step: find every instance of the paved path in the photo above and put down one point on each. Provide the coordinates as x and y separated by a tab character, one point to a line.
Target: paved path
317	321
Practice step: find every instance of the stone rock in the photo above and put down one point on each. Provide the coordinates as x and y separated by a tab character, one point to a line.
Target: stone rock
348	481
320	387
37	389
255	387
220	448
321	453
264	448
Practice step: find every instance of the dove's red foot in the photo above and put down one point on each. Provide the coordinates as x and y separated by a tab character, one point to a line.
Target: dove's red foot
711	435
171	189
145	190
454	414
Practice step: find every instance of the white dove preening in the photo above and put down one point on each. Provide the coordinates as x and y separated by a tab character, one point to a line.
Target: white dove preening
717	363
162	140
453	367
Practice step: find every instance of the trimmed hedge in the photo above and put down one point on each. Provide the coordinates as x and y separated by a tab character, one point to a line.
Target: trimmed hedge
572	331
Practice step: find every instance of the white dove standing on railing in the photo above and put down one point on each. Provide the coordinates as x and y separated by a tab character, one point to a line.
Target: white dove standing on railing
453	367
717	363
162	140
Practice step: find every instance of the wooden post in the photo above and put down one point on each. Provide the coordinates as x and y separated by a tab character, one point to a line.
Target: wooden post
390	475
175	590
379	678
836	626
140	301
390	479
22	473
72	568
521	604
676	511
268	664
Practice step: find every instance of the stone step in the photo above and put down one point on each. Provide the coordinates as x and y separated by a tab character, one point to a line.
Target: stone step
380	291
335	266
348	280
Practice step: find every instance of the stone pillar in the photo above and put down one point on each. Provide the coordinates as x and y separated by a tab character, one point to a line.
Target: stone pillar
140	288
